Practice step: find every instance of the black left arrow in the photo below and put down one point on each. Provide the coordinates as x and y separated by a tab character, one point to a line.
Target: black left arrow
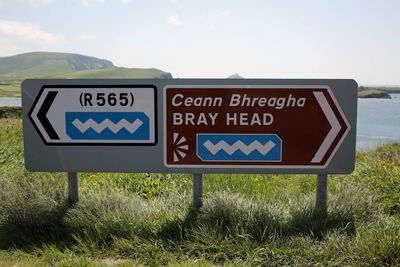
43	112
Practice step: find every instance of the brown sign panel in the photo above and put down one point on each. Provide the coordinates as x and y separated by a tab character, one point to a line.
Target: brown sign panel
251	126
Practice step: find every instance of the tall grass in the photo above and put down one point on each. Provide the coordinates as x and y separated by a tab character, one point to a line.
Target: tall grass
265	220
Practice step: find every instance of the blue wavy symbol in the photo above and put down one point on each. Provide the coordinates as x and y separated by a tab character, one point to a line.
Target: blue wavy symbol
107	125
239	147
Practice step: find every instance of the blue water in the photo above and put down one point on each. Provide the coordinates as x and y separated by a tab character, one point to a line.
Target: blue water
378	120
10	101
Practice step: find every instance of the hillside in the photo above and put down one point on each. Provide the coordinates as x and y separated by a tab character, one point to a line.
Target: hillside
14	69
116	72
39	63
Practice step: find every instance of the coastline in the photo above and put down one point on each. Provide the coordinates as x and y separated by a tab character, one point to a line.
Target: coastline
374	94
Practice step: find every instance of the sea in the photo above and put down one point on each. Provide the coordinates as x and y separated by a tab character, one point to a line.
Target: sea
10	101
378	120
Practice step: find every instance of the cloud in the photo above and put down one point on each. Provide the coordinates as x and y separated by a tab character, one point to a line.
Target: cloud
8	48
42	2
28	32
92	2
174	20
29	2
226	13
100	2
211	26
85	37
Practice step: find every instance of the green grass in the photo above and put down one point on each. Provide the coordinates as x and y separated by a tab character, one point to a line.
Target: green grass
130	219
13	87
10	88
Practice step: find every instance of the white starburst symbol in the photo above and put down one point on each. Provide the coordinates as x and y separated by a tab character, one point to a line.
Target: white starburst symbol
180	147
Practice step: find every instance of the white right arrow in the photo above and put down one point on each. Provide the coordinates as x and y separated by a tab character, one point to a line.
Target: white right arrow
335	127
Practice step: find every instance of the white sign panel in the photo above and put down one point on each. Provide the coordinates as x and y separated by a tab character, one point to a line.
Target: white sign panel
96	115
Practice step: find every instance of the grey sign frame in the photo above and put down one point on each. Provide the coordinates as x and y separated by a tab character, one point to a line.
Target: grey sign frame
136	158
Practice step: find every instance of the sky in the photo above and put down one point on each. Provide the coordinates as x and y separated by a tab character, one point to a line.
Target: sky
356	39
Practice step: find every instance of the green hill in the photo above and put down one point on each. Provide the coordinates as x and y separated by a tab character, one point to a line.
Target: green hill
40	63
14	69
115	72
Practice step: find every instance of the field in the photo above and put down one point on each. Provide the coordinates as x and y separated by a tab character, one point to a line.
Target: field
12	87
126	219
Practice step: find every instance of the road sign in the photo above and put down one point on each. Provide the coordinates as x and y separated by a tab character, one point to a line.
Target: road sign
252	126
123	115
205	125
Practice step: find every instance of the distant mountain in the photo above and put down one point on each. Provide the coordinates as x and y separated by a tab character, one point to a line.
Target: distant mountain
115	72
65	65
16	68
235	76
48	63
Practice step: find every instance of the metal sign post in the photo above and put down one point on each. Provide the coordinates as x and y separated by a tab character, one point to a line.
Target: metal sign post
322	192
197	190
73	195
